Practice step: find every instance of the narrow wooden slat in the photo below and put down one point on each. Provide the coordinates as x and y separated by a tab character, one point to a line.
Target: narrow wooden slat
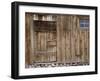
39	47
58	39
68	49
77	39
87	46
75	36
77	48
48	38
36	46
45	46
27	61
62	32
75	45
82	46
41	39
42	47
67	39
28	41
72	39
85	54
38	41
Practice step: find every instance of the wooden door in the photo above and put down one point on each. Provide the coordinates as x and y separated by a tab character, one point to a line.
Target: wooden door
45	41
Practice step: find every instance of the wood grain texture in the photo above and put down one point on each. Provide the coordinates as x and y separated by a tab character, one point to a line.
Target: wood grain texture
28	39
60	41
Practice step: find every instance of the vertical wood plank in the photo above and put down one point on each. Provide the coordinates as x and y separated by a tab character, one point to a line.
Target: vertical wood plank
28	40
88	46
77	44
68	49
63	25
58	39
45	49
72	39
82	46
67	40
38	59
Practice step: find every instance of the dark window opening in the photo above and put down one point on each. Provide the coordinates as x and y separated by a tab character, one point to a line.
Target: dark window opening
84	23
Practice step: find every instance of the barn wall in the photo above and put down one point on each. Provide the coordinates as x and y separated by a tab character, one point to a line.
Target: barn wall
72	41
65	42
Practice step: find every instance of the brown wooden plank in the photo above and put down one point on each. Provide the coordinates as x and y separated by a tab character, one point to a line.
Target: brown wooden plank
82	45
28	41
27	50
58	39
72	39
41	39
67	39
68	49
77	46
34	41
75	36
77	39
38	59
42	47
48	38
62	32
45	46
87	46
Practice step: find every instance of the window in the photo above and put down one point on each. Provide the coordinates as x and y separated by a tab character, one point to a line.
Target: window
84	23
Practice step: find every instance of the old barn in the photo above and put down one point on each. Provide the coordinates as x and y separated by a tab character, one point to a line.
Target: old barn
56	40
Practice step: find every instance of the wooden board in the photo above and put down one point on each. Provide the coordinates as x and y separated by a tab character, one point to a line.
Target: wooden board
28	39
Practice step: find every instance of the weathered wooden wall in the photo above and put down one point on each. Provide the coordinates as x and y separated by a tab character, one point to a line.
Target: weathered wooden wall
62	41
72	41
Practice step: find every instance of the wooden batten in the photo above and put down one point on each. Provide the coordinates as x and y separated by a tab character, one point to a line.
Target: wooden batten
58	39
85	46
82	45
88	46
72	39
77	42
62	34
67	43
